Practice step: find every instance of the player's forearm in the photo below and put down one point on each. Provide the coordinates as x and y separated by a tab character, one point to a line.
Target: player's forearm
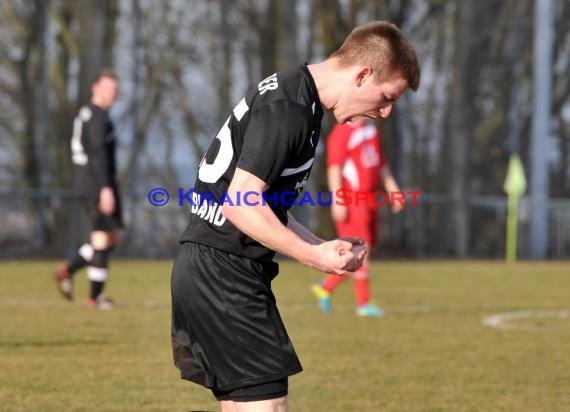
261	224
388	180
391	185
334	178
302	231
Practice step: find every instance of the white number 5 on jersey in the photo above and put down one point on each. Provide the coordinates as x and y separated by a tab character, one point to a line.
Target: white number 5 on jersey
211	172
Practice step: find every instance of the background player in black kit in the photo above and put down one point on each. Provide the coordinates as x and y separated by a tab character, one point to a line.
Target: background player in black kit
93	156
227	334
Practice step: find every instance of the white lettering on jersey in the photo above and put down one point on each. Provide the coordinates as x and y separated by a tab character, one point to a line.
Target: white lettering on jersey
205	209
299	186
369	157
78	155
269	83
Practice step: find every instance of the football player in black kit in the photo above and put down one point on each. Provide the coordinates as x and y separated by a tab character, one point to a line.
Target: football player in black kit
93	156
227	334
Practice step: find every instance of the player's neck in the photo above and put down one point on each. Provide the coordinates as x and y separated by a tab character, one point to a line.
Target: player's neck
328	76
100	103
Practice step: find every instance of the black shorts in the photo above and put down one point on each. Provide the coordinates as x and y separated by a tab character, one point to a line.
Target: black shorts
99	221
227	333
261	392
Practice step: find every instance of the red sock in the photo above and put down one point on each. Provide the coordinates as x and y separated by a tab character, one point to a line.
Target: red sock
362	284
330	282
362	289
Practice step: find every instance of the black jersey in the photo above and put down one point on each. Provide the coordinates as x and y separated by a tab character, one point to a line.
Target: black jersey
93	151
272	133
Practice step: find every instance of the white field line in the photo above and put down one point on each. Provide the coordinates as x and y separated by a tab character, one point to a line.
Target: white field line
164	304
302	307
503	320
35	302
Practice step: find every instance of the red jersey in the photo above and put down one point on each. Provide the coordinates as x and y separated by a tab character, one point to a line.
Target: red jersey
357	148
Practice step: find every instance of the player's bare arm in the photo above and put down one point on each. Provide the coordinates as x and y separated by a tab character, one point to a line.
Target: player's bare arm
313	239
106	201
310	237
302	231
339	213
260	223
391	186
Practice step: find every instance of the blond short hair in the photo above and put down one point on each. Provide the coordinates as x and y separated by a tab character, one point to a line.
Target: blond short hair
105	74
382	46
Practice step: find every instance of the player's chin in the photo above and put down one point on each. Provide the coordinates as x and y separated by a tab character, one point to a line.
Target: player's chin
341	118
355	118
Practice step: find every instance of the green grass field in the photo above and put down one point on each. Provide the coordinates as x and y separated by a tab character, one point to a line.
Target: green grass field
431	353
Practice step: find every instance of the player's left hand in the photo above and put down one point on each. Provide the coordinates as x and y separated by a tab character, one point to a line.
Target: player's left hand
359	251
353	240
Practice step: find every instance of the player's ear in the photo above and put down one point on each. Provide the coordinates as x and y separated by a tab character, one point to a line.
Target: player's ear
363	74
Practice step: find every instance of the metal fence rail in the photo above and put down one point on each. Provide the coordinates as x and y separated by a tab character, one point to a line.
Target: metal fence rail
51	223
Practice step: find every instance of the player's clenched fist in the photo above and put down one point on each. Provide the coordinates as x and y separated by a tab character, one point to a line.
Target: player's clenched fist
358	254
358	250
339	256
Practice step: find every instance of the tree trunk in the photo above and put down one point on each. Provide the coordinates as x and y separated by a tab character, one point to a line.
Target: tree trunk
461	126
93	38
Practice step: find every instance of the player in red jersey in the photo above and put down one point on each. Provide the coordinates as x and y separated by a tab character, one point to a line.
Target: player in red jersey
356	163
